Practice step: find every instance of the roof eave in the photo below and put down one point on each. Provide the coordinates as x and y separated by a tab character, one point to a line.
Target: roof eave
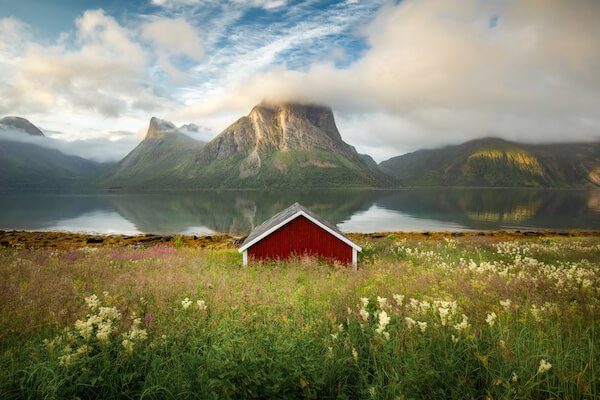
292	217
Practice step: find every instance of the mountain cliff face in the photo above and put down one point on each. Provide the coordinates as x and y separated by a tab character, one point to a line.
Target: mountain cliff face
497	162
285	145
18	124
162	159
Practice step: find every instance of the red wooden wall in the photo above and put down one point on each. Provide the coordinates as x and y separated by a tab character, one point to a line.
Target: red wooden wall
300	236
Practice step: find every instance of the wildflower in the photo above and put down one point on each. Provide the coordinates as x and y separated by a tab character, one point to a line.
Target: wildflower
506	304
364	314
340	328
334	336
384	320
422	326
544	367
502	343
201	305
364	301
104	331
148	320
454	339
372	391
444	313
414	303
514	377
410	323
399	298
382	302
536	312
386	335
348	311
128	345
186	303
355	355
491	318
92	302
463	325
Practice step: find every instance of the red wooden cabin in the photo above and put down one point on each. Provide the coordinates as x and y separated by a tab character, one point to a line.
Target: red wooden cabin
296	231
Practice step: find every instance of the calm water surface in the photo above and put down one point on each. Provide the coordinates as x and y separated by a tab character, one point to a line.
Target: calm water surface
237	212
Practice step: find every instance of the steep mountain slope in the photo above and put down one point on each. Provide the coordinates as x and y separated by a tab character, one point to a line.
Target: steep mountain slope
161	160
497	162
29	166
285	145
18	124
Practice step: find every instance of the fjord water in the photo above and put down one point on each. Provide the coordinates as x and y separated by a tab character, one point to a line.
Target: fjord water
237	212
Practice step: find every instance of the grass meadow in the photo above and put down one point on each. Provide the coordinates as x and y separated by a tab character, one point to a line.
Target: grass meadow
463	318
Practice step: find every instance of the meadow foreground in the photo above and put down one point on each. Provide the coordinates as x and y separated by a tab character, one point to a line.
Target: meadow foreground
466	317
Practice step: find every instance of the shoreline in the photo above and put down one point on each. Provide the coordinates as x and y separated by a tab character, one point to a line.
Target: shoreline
66	240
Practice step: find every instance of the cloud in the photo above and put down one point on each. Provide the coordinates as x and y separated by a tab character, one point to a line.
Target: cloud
265	4
439	72
104	147
171	38
104	72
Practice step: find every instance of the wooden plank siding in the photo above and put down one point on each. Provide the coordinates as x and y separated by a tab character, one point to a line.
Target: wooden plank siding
301	236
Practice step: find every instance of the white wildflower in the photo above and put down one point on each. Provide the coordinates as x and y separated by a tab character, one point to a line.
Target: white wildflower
399	298
444	313
422	326
186	303
514	377
92	302
506	304
340	327
355	355
364	314
544	367
463	325
410	323
384	320
455	339
128	345
386	335
491	318
364	301
201	305
382	302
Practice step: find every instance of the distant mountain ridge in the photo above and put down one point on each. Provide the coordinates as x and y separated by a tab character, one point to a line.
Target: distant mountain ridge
32	167
498	162
286	146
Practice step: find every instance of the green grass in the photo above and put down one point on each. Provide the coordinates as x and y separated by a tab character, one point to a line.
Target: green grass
303	328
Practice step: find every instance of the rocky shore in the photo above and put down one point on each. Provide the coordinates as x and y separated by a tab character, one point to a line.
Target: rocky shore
63	240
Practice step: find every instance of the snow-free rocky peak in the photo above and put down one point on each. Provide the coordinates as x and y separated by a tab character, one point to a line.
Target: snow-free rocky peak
20	124
158	128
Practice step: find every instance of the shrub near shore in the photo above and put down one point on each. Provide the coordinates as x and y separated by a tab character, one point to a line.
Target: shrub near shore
448	318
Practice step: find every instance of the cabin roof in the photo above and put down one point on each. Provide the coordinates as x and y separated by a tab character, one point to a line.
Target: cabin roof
278	220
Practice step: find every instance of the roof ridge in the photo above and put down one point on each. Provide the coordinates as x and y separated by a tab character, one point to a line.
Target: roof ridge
283	216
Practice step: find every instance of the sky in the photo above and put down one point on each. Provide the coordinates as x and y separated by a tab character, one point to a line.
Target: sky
399	75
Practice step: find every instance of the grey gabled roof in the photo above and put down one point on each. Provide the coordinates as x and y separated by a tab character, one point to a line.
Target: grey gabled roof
295	209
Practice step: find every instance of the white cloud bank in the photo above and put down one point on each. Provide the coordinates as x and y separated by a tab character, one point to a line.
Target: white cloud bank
440	72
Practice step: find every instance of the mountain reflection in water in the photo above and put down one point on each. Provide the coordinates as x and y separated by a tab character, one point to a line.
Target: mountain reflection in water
237	212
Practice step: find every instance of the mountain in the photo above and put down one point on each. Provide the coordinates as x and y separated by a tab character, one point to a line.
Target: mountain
162	160
25	165
285	145
19	124
498	162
